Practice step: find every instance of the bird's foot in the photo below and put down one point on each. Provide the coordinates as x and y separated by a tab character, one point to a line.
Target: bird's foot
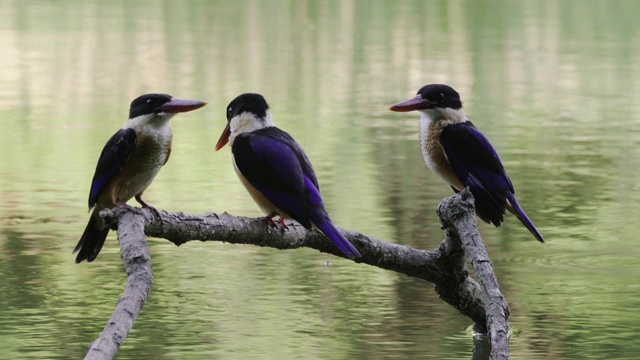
281	222
142	202
274	223
153	210
147	206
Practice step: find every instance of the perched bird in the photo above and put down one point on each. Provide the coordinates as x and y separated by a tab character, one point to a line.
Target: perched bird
461	155
129	162
275	170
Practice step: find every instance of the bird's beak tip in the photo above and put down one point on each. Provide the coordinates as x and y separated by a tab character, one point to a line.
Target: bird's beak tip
224	138
398	108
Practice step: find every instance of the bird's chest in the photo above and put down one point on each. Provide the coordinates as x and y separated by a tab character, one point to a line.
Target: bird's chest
151	151
433	152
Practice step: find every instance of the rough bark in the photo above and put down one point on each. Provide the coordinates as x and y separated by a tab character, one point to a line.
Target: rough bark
457	214
445	266
137	263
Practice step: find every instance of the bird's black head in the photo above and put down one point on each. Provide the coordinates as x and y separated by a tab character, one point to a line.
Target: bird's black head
430	97
441	95
148	104
249	102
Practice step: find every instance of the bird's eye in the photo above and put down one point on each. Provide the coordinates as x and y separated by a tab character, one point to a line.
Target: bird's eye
441	96
149	101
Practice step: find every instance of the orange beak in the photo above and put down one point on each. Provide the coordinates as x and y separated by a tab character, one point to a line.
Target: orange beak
224	138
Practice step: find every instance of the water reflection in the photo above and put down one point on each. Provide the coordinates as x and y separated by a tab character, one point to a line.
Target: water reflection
551	83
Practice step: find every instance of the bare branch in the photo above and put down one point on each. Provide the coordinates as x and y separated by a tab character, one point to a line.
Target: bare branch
445	266
458	216
137	263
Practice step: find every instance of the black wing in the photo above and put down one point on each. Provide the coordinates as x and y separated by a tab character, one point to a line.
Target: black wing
478	166
114	155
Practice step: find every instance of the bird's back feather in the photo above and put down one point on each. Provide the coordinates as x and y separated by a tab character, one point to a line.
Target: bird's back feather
277	166
478	166
476	162
274	164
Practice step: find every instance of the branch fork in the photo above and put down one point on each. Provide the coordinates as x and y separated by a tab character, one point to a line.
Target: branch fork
445	267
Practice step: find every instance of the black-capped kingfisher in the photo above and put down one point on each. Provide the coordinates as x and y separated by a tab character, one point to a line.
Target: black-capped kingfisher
275	170
129	162
456	151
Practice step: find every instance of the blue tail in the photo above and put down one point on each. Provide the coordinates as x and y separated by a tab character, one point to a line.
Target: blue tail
329	230
524	219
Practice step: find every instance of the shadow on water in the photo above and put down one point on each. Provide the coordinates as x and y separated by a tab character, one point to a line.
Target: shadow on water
481	348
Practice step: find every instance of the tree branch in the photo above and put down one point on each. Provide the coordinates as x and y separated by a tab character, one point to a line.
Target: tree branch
445	267
457	214
137	263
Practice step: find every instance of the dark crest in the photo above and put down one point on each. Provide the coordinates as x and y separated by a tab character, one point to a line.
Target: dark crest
443	96
249	102
148	104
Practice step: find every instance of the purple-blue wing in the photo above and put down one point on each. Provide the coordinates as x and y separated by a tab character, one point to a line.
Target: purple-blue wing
276	165
478	166
273	162
114	155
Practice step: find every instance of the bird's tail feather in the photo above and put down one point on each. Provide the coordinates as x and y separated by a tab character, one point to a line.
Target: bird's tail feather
330	231
92	240
524	219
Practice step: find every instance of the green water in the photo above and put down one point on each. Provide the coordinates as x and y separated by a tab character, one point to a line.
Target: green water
554	84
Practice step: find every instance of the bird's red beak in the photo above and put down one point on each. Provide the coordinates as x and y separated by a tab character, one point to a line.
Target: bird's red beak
415	103
181	105
224	138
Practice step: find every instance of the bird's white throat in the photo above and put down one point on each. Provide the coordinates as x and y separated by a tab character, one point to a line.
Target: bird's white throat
441	117
156	125
449	115
248	122
149	120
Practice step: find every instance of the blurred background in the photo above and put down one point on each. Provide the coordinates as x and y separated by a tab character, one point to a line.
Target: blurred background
553	84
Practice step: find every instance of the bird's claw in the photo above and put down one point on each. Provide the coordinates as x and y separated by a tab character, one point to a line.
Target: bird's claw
274	223
281	222
153	210
147	206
